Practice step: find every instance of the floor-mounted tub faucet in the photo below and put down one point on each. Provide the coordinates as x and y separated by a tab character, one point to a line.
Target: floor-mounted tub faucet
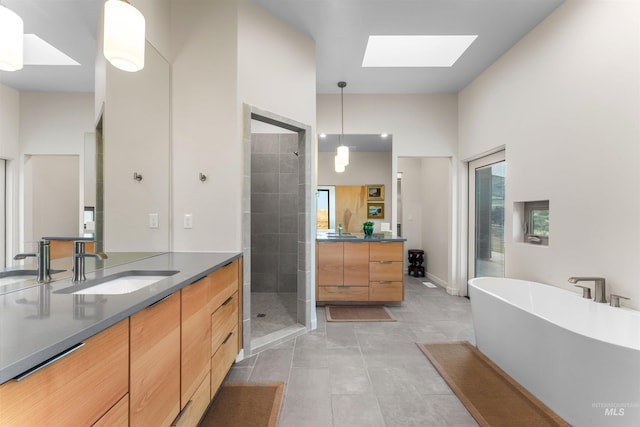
599	289
44	260
79	256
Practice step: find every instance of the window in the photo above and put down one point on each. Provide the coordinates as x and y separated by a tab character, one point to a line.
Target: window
536	222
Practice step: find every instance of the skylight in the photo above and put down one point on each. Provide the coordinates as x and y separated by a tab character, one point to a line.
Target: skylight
415	51
39	52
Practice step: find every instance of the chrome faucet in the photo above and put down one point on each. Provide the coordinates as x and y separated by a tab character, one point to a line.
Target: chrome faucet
599	289
44	261
79	256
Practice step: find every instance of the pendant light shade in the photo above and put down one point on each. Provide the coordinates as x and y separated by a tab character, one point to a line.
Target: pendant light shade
124	37
11	40
343	154
339	166
343	150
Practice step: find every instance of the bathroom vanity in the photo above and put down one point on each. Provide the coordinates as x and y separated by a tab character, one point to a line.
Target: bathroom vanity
351	268
153	356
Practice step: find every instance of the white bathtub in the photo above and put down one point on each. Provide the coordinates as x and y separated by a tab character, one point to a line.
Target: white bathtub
581	358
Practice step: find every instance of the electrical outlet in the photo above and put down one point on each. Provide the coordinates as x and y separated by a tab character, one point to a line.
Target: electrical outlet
188	221
153	220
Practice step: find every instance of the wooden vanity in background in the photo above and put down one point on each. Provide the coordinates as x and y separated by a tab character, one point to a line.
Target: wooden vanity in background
359	270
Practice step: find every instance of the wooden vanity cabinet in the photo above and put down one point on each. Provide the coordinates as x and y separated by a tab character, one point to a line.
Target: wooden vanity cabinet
77	389
154	389
343	271
359	271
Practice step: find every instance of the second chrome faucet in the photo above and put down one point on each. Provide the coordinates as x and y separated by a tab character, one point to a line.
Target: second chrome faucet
599	287
79	256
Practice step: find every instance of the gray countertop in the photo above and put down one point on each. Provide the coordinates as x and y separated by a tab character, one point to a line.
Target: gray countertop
36	323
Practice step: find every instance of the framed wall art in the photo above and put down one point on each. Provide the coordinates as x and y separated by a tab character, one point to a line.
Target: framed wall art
375	193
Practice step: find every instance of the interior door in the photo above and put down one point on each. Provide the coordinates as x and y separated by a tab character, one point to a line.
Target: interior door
486	216
3	209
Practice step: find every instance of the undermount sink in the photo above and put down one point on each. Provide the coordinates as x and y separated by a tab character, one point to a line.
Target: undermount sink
124	282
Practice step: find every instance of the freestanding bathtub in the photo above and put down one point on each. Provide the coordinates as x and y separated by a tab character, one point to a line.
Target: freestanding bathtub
581	358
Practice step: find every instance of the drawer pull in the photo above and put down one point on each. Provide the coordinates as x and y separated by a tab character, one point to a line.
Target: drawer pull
176	421
344	286
385	262
385	282
227	338
227	264
228	300
48	362
159	301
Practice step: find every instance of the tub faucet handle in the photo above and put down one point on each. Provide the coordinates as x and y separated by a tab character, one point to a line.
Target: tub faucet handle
615	300
586	291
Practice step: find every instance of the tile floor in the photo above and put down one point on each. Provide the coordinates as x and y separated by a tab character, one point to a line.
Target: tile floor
369	374
279	309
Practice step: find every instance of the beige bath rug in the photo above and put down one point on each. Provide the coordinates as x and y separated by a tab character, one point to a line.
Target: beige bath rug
358	313
491	396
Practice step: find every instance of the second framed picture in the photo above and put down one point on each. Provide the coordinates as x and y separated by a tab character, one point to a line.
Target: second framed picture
375	193
375	210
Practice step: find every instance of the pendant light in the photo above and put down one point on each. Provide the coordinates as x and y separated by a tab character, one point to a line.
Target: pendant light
343	150
124	37
11	40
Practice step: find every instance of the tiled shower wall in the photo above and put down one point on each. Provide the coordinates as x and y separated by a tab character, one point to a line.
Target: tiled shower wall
274	212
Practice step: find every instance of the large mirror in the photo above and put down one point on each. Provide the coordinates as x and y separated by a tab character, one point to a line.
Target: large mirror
363	191
56	161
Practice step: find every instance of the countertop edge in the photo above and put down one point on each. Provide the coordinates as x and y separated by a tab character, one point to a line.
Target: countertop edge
48	352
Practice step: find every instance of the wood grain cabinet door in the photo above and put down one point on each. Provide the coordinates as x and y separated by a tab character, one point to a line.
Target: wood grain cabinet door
330	263
75	390
195	338
155	364
356	264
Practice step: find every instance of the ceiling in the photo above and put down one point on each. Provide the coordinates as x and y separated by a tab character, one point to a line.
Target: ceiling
340	29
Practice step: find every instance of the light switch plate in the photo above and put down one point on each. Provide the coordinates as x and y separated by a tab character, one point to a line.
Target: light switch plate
188	221
153	220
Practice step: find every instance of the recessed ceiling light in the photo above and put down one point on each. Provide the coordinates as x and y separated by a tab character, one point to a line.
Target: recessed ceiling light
415	51
39	52
323	135
384	135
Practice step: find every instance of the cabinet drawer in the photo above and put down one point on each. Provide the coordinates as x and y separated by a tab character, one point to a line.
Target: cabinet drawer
385	291
118	415
343	293
386	271
74	390
196	406
385	251
223	359
224	283
223	321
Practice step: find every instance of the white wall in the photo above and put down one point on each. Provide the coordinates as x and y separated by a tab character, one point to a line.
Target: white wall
421	125
9	150
225	54
436	213
427	214
205	126
565	102
51	124
136	135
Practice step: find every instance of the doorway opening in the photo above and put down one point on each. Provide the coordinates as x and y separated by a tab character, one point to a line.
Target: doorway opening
486	216
277	226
